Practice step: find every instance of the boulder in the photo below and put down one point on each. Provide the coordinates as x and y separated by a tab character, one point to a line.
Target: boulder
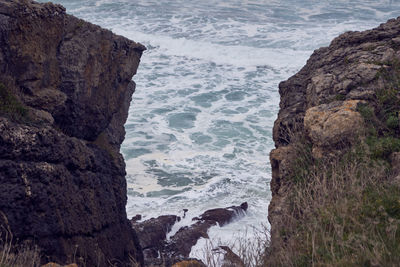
333	126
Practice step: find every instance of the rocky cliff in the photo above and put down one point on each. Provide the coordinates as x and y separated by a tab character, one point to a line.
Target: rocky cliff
335	200
65	89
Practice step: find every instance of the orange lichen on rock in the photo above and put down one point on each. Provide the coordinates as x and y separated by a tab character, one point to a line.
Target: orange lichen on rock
189	263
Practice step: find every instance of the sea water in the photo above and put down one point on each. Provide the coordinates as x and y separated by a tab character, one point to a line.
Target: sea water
199	130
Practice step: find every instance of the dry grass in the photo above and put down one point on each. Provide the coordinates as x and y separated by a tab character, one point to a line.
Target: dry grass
344	212
26	255
249	250
17	256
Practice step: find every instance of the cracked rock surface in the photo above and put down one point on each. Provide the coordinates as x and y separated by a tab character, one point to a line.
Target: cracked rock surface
62	178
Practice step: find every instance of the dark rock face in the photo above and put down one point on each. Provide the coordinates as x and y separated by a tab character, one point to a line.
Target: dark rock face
62	178
320	103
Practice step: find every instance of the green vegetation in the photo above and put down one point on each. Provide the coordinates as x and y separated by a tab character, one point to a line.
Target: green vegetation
80	23
382	148
10	106
346	209
302	163
346	213
340	97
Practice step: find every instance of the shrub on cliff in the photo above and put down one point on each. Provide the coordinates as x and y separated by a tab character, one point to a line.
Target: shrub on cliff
10	106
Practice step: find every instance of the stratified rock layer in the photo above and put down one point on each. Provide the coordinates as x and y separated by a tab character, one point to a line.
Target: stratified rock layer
62	178
320	103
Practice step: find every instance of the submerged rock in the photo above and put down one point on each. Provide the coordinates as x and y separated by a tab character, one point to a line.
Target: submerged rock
62	178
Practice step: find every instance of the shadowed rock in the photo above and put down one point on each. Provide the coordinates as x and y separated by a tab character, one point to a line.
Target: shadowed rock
62	178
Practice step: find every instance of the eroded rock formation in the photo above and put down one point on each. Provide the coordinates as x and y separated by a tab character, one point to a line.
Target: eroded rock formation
320	103
62	178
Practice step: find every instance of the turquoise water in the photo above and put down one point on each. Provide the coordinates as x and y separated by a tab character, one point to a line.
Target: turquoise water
200	125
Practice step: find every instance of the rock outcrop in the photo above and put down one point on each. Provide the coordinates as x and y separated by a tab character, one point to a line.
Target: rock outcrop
181	243
65	91
153	234
160	251
320	104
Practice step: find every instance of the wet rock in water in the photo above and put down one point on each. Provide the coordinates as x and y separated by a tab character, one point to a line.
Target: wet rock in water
152	233
175	252
182	242
223	216
184	212
136	218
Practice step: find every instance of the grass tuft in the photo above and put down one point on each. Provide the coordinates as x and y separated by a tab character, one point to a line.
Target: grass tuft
12	255
10	106
347	214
